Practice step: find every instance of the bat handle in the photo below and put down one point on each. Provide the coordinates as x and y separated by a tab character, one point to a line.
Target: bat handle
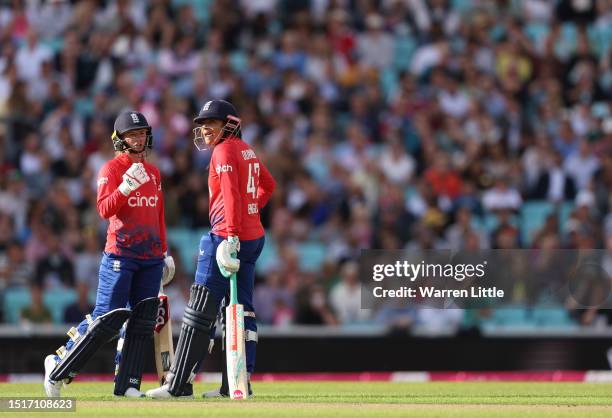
233	289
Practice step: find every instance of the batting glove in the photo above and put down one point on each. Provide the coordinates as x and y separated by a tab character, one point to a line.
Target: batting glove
134	177
169	269
227	253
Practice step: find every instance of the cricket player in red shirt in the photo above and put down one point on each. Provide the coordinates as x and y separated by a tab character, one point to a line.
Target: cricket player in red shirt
134	262
239	186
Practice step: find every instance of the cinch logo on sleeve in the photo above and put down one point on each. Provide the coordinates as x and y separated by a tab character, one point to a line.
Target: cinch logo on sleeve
140	201
225	168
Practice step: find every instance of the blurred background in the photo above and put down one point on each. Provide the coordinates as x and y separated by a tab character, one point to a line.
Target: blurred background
462	124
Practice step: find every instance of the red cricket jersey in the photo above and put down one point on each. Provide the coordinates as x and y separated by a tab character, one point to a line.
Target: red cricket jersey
239	186
137	228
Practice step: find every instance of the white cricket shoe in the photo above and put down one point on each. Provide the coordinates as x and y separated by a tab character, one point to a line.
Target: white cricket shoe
133	393
163	392
52	388
214	394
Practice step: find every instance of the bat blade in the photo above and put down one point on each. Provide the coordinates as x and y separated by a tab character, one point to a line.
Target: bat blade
162	337
236	356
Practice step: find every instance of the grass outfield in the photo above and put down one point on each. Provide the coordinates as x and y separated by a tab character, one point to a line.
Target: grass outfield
347	399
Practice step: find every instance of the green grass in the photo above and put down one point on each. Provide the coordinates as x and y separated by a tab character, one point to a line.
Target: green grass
347	399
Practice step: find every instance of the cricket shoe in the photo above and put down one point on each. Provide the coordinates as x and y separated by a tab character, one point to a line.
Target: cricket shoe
133	393
163	392
217	393
52	388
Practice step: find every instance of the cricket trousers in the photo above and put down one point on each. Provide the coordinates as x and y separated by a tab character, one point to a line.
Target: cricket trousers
122	282
209	275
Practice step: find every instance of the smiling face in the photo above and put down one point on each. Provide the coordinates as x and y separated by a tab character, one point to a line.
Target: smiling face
211	131
136	139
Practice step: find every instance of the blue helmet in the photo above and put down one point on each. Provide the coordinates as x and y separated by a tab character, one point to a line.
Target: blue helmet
218	110
130	120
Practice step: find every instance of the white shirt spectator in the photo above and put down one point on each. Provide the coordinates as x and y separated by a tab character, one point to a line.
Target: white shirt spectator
52	18
581	168
29	60
557	185
345	297
397	167
538	10
375	47
428	56
455	103
346	302
501	197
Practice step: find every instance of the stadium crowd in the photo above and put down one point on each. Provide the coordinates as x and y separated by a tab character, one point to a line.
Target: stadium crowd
387	124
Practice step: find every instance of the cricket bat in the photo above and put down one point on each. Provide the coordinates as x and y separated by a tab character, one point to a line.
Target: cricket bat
162	337
234	342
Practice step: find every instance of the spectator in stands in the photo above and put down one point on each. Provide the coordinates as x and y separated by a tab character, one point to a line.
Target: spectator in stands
55	269
312	305
87	261
345	297
501	197
15	271
554	184
272	299
37	312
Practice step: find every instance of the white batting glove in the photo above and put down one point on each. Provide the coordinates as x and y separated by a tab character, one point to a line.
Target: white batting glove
169	269
227	253
134	177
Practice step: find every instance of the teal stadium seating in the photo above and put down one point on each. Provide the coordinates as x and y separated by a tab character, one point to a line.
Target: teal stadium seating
15	299
56	300
533	216
186	241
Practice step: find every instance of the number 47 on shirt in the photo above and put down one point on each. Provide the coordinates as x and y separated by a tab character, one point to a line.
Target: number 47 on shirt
251	184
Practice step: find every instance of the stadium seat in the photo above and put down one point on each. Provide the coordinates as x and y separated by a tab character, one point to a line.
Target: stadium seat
511	316
600	37
552	317
200	8
388	81
462	6
404	48
268	256
15	299
57	300
536	32
564	213
533	216
186	241
312	256
490	221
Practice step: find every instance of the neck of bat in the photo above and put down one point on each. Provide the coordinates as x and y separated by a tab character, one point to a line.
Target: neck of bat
233	290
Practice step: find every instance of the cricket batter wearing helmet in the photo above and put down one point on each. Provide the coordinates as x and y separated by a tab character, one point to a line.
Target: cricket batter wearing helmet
134	262
240	185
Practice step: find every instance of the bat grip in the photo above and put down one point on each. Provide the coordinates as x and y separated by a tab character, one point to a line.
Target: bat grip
233	290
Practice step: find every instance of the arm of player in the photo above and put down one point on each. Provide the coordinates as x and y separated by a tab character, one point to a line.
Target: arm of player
109	198
267	184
